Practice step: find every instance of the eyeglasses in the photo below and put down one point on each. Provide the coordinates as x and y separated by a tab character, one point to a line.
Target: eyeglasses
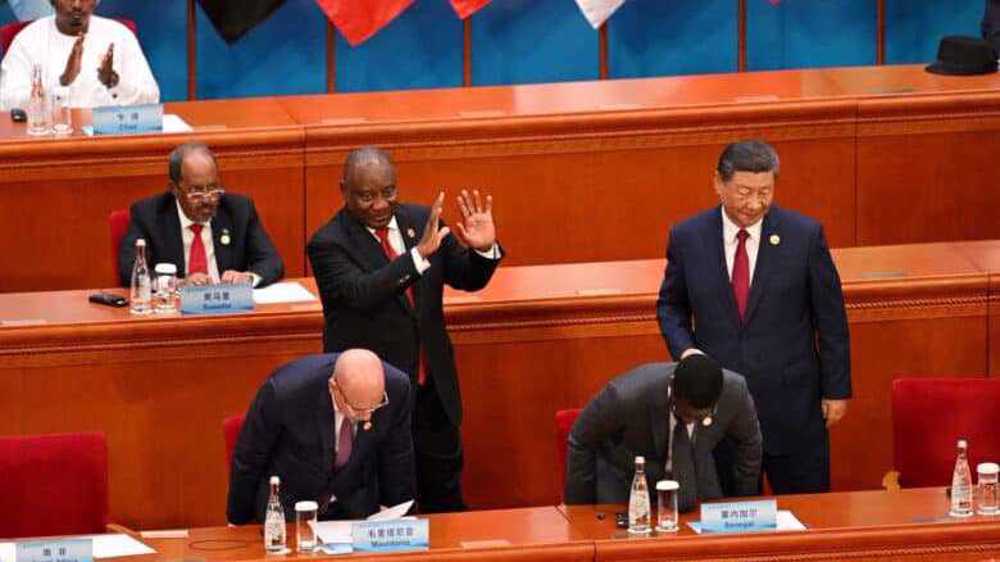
204	193
688	413
369	411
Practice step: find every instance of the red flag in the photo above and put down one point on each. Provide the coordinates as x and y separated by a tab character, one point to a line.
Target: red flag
358	20
465	8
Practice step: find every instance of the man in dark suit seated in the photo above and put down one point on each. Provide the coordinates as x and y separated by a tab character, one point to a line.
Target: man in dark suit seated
335	429
673	414
753	286
210	235
381	267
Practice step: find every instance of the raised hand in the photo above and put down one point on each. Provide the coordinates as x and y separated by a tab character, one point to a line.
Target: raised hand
476	229
431	240
72	69
106	72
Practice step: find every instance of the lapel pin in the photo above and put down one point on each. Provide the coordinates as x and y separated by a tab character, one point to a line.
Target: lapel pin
706	421
224	239
774	240
367	426
411	233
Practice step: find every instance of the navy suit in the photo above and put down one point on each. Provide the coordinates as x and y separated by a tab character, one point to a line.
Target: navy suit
793	345
288	431
990	25
248	249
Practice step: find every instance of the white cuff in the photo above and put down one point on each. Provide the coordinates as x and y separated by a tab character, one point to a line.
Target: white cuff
419	261
492	254
691	351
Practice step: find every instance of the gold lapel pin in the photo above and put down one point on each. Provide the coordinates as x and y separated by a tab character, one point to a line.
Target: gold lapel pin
774	240
224	239
367	426
411	233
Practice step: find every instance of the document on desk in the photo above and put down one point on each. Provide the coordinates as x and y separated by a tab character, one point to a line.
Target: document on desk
105	546
285	292
787	521
339	532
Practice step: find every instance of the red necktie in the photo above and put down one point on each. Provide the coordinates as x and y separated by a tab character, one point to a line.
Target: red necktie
741	273
390	252
345	443
198	260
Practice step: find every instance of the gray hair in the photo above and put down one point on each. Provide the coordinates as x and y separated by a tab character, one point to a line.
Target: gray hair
178	155
747	156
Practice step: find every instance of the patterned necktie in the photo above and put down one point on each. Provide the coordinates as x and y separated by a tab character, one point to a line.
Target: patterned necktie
390	253
345	443
197	260
741	274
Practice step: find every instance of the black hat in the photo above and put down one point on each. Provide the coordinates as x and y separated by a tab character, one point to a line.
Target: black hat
964	56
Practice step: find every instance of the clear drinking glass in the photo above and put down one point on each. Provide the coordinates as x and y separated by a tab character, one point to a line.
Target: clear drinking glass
987	488
305	519
62	114
666	506
165	289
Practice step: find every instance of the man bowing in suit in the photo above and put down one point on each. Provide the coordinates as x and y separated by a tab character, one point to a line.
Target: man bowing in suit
753	286
335	429
210	235
674	414
381	266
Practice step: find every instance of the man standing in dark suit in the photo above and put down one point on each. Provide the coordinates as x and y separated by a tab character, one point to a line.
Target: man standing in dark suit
210	235
674	415
381	267
754	287
335	429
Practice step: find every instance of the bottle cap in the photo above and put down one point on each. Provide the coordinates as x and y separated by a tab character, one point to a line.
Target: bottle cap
988	468
963	443
166	269
640	460
275	480
667	485
306	506
140	241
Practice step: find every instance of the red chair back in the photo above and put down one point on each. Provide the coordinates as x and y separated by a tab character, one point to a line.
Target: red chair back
53	485
118	225
9	31
231	427
564	423
929	415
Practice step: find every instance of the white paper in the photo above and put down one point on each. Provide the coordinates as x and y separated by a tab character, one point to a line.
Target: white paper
165	534
289	291
339	532
785	519
105	546
174	124
391	513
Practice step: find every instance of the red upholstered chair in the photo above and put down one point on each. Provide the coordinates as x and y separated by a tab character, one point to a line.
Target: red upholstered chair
231	431
9	31
53	484
929	415
564	423
118	225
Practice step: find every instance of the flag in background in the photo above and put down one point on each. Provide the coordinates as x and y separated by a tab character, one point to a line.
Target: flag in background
27	10
598	11
465	8
234	18
358	20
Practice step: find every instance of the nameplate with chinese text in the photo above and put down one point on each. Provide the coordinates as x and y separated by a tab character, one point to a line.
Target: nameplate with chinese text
64	550
738	517
389	536
128	120
216	299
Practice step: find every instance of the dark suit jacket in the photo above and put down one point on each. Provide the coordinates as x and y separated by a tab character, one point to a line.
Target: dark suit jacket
630	417
793	347
155	219
365	303
990	25
288	431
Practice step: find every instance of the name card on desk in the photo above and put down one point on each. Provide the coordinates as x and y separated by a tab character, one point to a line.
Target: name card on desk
65	550
737	517
388	536
128	120
216	299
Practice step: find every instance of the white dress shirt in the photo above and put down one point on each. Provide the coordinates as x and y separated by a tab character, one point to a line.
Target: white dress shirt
731	240
42	43
187	236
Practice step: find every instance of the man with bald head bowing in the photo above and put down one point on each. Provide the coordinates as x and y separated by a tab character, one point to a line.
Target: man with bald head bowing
381	266
336	429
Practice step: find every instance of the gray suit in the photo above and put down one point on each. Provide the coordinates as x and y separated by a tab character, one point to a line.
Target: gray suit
630	417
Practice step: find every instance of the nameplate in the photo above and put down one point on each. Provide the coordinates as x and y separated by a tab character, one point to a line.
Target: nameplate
738	517
128	120
216	299
389	536
65	550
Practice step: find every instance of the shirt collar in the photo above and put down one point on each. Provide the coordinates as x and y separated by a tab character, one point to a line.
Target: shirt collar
393	225
730	229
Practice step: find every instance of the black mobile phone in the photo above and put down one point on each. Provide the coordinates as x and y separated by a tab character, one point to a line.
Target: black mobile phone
18	115
621	520
108	299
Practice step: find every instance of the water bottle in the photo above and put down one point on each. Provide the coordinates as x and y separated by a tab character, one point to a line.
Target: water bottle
639	515
140	294
961	483
274	520
39	110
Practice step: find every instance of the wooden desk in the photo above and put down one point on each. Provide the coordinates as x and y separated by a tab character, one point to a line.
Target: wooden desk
865	526
538	339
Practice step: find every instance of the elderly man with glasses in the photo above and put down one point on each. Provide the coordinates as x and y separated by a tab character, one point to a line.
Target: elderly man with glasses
336	429
210	235
673	414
